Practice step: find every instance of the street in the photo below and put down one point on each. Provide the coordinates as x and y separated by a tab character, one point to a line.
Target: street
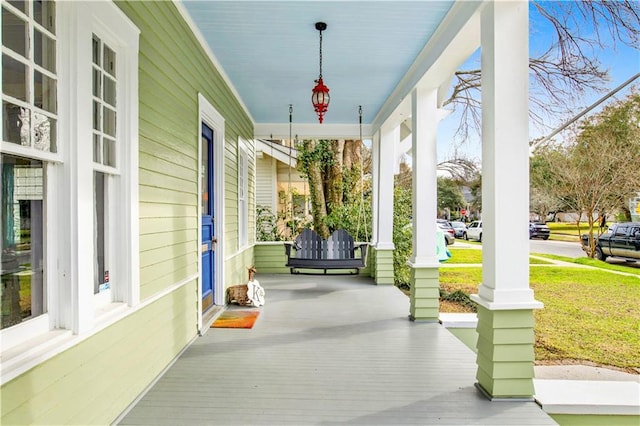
559	248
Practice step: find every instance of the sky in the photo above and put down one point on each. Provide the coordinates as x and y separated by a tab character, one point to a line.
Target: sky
621	62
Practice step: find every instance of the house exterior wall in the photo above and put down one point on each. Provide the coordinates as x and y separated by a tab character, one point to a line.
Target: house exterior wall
98	376
266	183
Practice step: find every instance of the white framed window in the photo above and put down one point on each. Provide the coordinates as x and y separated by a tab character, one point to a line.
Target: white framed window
243	198
70	156
29	143
29	79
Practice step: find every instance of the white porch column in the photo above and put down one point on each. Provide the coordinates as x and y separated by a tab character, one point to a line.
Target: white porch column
506	303
383	257
424	117
424	263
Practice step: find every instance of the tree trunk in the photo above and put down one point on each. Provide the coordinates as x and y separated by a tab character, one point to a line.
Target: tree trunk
334	182
316	190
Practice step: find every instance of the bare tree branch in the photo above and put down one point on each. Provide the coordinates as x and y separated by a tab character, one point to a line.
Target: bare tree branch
568	69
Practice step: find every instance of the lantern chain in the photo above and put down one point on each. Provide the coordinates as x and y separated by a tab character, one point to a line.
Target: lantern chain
320	54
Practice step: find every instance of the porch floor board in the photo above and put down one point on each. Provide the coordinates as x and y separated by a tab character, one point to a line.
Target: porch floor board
325	350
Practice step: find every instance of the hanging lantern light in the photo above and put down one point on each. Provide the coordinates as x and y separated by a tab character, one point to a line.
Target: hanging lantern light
320	93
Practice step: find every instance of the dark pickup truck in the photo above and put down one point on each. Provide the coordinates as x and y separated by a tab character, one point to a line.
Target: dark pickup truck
621	240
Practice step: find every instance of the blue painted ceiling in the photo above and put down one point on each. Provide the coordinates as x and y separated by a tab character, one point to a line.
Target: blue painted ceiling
269	50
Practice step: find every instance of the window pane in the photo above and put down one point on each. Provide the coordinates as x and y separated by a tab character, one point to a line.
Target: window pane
14	78
44	13
109	91
96	115
96	149
204	178
14	33
23	289
109	63
109	146
109	124
44	51
97	82
100	268
44	92
19	4
96	50
15	127
44	132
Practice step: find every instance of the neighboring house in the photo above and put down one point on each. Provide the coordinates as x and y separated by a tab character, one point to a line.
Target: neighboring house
279	185
116	165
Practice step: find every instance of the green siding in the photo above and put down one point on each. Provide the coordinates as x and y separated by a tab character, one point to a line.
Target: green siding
425	294
383	266
94	381
505	352
270	258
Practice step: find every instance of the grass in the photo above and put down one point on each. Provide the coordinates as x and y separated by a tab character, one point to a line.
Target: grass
469	256
589	315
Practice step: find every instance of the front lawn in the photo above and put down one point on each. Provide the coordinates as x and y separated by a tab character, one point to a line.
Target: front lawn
589	315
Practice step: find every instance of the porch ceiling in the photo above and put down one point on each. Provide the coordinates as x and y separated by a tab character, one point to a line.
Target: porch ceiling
269	52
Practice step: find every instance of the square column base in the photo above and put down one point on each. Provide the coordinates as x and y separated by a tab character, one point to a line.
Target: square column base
425	294
505	353
382	266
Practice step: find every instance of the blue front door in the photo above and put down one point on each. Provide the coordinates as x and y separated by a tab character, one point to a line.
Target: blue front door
208	219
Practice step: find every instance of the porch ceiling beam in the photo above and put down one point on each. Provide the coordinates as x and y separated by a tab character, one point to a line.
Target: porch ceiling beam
457	37
312	131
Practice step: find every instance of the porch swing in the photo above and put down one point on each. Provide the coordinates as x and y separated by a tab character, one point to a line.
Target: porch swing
309	251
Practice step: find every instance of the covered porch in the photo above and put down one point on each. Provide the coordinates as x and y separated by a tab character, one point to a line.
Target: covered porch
327	349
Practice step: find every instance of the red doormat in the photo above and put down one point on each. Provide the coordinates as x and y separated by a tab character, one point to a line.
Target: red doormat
236	319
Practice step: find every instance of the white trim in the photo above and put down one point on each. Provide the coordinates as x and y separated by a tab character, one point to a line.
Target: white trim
44	347
312	131
212	118
243	210
205	46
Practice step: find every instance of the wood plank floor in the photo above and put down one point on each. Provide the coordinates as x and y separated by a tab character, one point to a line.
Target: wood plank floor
327	350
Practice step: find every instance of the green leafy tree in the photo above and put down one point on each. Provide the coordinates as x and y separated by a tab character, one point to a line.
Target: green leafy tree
597	172
449	195
340	190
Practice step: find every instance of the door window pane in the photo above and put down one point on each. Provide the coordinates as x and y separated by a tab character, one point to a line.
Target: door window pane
23	290
204	178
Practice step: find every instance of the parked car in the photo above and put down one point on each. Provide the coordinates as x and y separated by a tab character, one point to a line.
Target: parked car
538	230
622	240
459	229
449	233
474	230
